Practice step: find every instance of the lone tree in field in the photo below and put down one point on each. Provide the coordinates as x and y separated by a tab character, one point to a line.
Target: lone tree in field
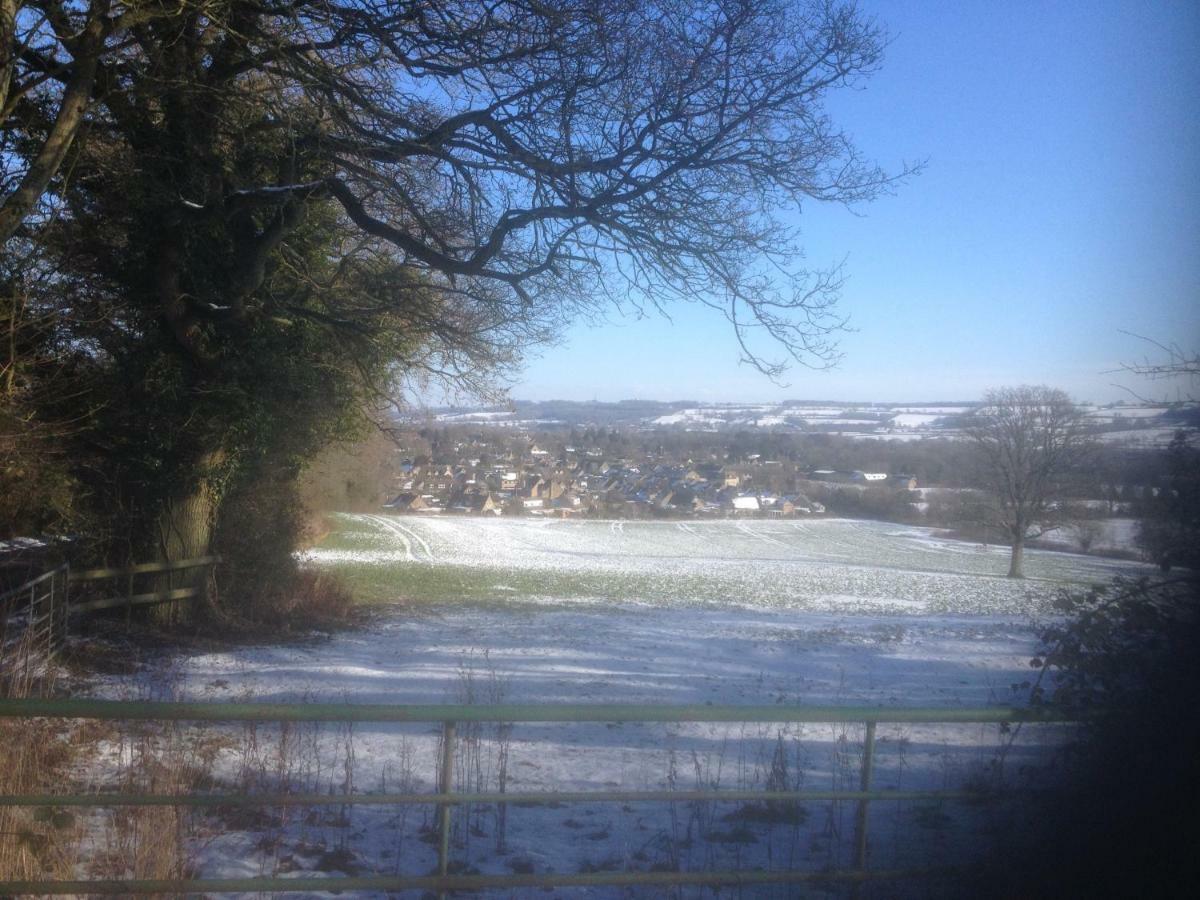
242	219
1028	438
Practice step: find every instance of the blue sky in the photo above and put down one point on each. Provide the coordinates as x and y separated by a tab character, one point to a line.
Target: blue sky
1060	206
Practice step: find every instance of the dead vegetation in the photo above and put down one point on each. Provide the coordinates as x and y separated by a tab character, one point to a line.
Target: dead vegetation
34	756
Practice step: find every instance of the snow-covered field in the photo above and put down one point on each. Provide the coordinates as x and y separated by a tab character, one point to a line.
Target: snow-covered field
819	565
1135	425
725	612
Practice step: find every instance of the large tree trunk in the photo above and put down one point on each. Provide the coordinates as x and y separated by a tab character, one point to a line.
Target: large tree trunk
185	530
1018	556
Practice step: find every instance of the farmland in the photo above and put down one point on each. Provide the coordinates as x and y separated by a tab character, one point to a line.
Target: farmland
726	612
822	565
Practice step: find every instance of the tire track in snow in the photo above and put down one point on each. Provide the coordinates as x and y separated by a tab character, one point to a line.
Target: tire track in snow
384	523
412	532
746	529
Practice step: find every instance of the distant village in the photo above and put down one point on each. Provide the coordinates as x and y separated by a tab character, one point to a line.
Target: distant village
569	480
638	459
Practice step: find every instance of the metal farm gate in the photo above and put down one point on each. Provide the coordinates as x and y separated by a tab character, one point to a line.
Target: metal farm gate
446	798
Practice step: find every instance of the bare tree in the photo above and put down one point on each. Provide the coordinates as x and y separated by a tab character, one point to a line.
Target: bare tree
536	160
1028	438
229	188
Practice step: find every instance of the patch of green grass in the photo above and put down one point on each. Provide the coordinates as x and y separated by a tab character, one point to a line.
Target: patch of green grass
656	564
421	582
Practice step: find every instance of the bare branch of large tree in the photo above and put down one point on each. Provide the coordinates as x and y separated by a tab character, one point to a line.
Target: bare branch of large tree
1170	362
547	149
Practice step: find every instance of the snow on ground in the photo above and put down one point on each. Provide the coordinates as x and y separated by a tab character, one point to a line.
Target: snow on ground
1119	413
475	415
747	562
903	436
1159	436
745	612
914	420
939	411
1118	534
1114	535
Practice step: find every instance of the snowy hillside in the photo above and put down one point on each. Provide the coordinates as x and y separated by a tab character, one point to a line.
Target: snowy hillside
1132	424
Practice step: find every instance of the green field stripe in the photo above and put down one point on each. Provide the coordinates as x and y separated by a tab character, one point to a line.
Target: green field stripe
370	712
528	798
386	883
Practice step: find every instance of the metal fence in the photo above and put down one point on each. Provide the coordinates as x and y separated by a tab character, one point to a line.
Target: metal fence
45	601
446	798
49	602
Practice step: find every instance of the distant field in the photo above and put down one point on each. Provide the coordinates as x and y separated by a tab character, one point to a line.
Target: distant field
822	565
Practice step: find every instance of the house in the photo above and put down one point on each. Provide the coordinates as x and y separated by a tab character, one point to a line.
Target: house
869	477
567	505
407	502
440	483
825	475
745	503
431	504
798	504
475	502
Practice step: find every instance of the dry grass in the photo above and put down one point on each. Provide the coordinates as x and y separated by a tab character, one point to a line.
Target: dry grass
46	756
41	756
320	597
34	756
300	600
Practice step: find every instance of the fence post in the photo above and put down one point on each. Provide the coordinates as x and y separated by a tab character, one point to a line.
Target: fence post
129	602
58	620
64	581
50	622
860	831
445	783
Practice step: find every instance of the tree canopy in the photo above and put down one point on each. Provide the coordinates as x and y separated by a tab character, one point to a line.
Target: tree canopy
229	223
518	154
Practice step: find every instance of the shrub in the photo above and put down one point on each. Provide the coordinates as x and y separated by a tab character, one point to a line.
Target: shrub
260	581
1126	825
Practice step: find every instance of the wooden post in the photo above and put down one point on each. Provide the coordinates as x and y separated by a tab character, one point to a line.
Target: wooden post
445	783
